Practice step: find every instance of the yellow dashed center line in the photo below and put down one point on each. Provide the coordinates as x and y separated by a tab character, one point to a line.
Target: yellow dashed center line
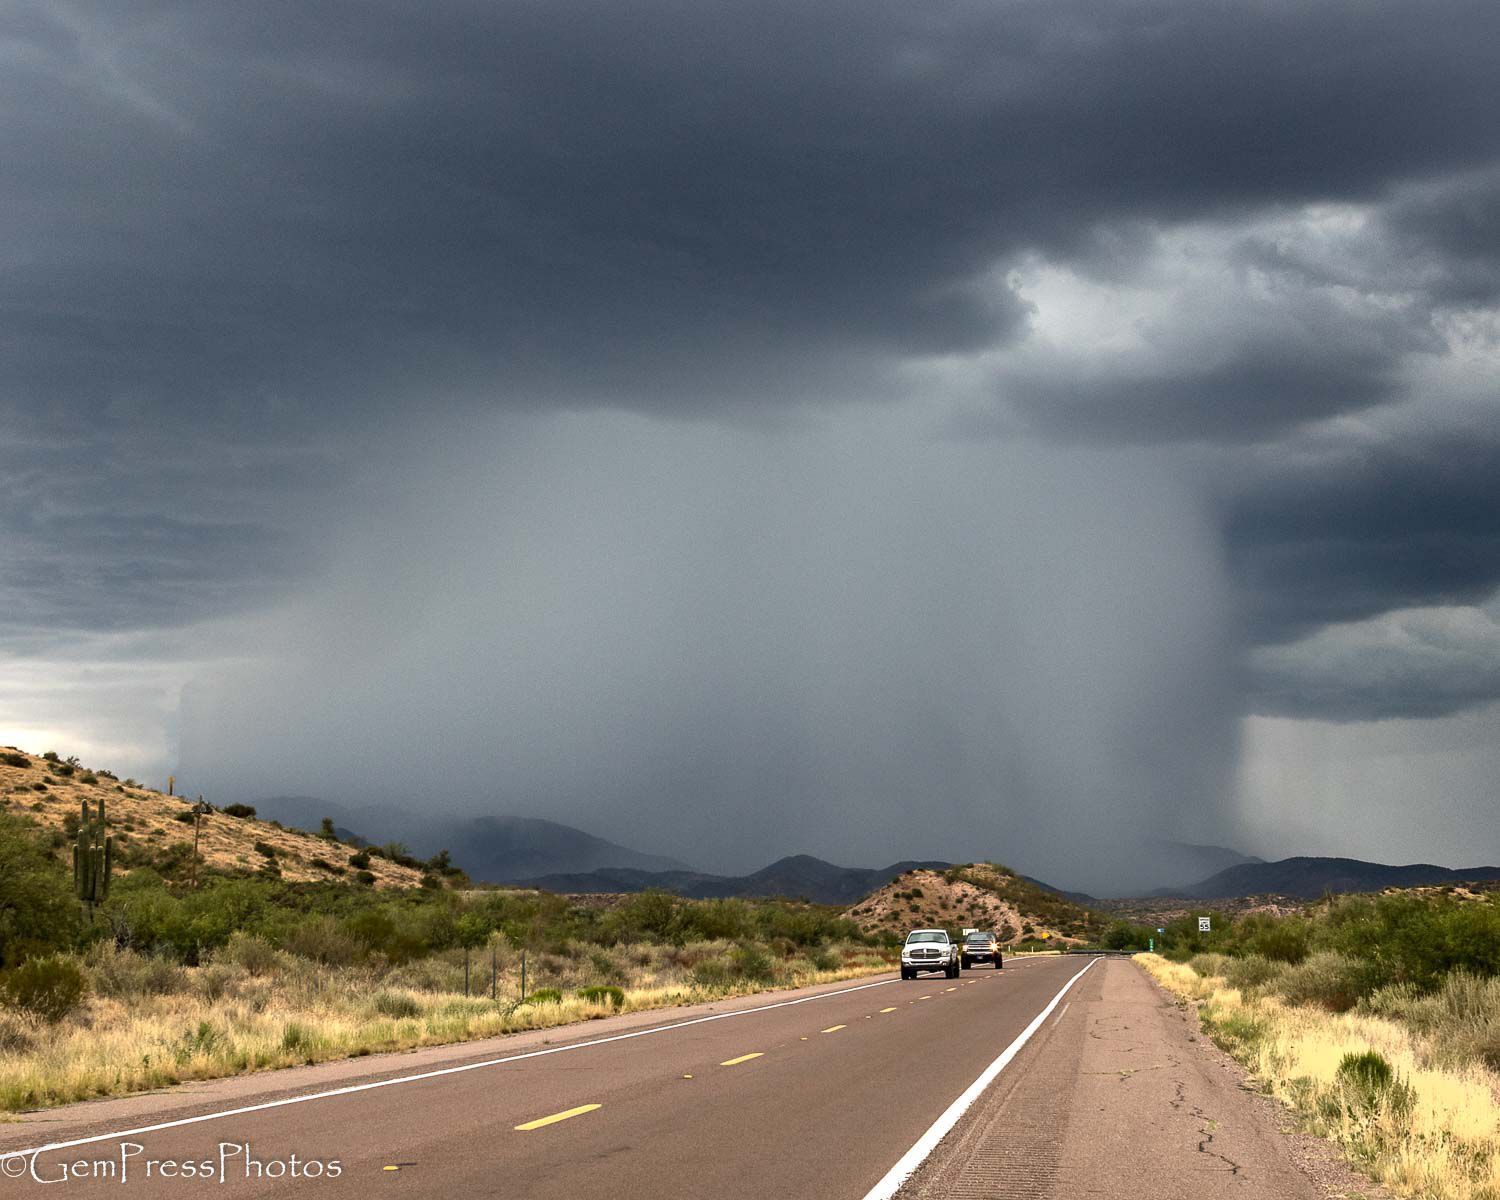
835	1028
886	1010
953	989
730	1062
556	1117
924	997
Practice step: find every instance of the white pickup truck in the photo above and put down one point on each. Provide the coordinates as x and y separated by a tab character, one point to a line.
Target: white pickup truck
929	950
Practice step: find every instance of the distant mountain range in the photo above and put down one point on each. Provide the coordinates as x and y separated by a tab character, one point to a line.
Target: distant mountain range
1309	878
499	849
799	875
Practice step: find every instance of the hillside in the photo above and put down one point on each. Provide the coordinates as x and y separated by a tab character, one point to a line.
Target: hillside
799	876
984	895
147	830
1309	878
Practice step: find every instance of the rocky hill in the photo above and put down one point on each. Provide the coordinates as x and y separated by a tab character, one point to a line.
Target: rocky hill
153	829
982	895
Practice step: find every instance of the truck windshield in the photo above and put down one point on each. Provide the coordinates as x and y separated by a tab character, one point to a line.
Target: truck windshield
926	937
981	937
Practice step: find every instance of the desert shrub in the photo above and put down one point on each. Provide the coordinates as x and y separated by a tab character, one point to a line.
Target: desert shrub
1364	1084
186	816
51	756
216	980
65	770
544	996
1414	939
324	865
1252	971
18	1032
365	877
1234	1029
266	849
823	960
39	914
749	961
1210	964
1332	981
250	952
47	988
601	995
712	973
322	939
11	759
360	860
38	787
1462	1018
126	974
238	810
396	1004
1280	939
88	777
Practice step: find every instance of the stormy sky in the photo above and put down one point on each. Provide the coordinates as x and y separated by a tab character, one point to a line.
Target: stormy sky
1010	429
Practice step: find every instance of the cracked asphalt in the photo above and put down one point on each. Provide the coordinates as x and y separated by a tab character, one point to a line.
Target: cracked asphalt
1120	1096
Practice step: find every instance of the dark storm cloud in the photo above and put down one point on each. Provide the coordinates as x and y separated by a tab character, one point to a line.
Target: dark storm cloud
662	204
1398	524
230	239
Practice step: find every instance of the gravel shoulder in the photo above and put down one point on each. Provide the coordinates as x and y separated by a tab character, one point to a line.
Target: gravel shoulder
1120	1094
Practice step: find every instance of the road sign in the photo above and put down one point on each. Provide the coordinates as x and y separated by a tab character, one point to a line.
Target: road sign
1159	929
1203	924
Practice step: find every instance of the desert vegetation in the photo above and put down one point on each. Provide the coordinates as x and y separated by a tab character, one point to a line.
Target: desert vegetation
164	981
1375	1018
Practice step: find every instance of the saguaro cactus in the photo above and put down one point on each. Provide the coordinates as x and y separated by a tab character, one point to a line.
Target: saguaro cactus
93	858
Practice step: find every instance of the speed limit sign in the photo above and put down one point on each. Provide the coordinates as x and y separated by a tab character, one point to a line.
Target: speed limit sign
1203	924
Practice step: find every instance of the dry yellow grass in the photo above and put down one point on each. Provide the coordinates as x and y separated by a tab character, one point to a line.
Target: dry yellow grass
142	815
1441	1144
223	1019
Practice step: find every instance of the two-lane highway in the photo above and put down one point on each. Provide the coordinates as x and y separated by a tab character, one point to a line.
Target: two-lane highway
814	1094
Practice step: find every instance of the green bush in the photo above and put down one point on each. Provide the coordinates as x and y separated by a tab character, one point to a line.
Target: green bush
125	974
396	1004
51	756
38	912
1252	971
47	988
360	861
1365	1083
238	810
1210	964
1328	980
599	995
544	996
248	951
365	877
266	849
11	759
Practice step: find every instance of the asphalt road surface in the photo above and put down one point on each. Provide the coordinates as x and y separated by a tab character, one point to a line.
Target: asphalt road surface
838	1091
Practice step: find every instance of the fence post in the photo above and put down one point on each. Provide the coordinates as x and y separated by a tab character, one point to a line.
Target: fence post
466	970
494	981
523	974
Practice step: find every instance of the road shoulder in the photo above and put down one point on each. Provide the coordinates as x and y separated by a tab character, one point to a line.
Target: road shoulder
1121	1095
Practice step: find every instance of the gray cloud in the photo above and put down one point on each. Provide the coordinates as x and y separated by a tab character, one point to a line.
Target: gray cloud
252	269
1418	663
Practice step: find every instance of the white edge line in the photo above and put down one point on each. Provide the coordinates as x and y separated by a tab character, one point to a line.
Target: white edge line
913	1158
380	1083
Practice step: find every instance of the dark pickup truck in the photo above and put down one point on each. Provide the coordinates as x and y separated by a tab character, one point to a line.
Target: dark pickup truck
981	947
